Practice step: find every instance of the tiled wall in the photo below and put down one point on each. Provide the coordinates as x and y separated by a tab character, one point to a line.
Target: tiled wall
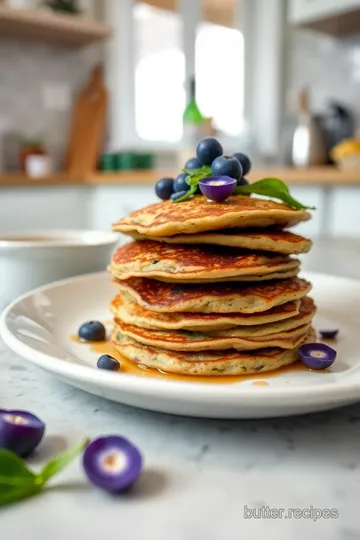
328	66
25	69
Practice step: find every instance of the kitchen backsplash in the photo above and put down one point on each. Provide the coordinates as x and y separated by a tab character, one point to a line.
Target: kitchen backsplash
37	89
328	66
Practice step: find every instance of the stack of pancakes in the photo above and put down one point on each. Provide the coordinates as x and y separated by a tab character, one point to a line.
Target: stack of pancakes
211	288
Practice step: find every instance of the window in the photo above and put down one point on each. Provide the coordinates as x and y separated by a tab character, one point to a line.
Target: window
160	96
159	74
219	69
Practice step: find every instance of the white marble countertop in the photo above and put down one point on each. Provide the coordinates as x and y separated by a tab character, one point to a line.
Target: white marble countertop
199	475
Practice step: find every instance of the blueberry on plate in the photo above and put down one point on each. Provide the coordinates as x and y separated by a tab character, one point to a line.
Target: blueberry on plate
317	355
180	183
226	166
20	431
164	188
108	362
244	162
207	150
92	331
329	334
192	163
112	463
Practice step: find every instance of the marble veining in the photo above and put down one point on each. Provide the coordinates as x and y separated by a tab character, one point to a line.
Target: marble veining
199	473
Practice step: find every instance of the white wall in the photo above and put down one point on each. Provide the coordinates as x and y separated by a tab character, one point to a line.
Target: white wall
44	207
109	203
99	206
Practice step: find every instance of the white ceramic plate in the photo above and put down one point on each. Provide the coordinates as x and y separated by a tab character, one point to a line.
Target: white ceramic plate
38	325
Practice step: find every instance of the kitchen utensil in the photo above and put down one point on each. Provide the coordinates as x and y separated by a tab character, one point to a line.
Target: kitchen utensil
309	145
337	123
87	126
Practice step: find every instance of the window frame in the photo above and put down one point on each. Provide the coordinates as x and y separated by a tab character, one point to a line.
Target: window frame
251	18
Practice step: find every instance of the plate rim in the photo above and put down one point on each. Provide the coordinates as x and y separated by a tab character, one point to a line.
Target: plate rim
150	386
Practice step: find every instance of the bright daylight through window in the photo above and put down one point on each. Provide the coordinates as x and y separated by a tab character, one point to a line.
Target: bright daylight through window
160	96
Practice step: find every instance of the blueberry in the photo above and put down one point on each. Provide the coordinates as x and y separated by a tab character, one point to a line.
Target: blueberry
226	166
192	163
180	182
178	195
164	188
92	331
108	362
244	162
243	182
207	150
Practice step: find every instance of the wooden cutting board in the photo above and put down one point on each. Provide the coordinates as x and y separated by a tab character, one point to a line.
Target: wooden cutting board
87	126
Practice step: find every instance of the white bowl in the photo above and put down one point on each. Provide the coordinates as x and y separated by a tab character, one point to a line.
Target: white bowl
33	258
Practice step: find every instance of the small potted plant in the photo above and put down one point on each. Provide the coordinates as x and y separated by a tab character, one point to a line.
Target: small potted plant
64	6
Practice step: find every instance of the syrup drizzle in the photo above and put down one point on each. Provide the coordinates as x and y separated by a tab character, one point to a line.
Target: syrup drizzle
130	368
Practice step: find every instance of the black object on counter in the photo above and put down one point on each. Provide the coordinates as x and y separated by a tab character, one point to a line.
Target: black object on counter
337	123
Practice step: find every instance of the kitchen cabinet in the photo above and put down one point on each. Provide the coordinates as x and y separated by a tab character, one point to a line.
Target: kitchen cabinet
51	27
309	10
329	16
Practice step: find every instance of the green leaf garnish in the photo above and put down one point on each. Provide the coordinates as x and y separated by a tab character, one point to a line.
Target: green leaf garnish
269	187
188	194
203	172
274	188
58	463
193	179
18	482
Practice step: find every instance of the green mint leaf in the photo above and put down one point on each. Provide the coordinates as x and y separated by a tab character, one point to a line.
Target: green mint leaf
274	188
195	175
205	170
12	494
188	194
16	480
59	462
13	467
191	181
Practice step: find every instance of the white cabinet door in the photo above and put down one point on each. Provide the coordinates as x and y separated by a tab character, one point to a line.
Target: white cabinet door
311	10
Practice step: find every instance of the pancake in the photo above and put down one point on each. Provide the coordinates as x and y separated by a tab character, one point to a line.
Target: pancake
293	272
257	331
209	362
213	298
283	242
183	340
124	308
194	263
197	215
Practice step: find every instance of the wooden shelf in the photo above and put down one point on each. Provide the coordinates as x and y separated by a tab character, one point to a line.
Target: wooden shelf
128	177
50	27
20	180
340	24
315	176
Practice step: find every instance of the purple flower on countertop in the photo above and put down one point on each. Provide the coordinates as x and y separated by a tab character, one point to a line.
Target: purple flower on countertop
112	463
20	431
